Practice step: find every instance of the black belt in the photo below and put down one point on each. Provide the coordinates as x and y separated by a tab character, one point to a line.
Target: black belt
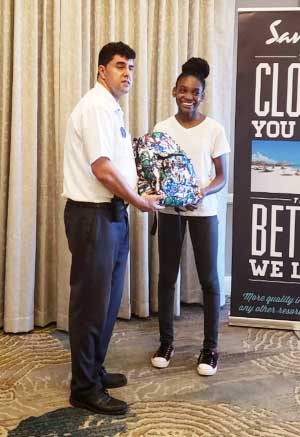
101	205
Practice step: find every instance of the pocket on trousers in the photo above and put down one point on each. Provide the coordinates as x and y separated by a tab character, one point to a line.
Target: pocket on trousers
68	223
79	228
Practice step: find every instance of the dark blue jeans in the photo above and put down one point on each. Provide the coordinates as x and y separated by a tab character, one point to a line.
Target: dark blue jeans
99	247
204	237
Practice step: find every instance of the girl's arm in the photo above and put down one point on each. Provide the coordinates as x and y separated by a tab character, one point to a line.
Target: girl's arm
220	179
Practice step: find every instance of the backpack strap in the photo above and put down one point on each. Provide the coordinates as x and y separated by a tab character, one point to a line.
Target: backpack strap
154	225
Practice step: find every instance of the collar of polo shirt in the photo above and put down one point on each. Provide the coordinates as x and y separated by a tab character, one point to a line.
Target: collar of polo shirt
109	98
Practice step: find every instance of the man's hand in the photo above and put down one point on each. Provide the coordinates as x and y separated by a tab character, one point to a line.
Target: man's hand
151	202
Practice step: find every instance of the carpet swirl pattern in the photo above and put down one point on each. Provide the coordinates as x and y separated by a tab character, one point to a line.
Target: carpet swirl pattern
256	391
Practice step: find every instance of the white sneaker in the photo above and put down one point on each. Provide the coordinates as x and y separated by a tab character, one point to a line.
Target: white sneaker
207	362
162	356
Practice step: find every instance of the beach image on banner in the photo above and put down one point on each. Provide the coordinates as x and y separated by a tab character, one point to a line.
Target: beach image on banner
275	166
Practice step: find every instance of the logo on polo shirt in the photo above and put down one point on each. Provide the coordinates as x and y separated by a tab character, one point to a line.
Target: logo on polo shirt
123	132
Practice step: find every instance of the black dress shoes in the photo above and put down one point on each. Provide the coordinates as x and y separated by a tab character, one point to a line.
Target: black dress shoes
100	402
112	380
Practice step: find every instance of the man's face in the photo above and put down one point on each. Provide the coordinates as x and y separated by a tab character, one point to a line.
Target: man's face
116	76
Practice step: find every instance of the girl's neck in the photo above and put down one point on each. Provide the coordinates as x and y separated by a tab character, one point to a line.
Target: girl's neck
188	120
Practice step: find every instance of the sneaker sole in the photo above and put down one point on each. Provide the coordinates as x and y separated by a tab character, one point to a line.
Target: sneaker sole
84	406
162	365
206	372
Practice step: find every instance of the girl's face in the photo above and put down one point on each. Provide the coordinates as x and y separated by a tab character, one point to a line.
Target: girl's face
189	94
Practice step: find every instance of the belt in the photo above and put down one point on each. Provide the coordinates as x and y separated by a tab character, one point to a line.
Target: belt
101	205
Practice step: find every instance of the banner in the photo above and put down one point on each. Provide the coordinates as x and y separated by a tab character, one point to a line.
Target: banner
266	208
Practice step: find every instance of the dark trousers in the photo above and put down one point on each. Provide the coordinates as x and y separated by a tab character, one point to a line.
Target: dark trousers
204	237
99	247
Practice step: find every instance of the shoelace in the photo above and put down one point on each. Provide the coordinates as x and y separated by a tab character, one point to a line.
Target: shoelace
165	352
207	356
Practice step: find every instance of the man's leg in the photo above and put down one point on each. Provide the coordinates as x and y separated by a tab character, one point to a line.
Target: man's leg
92	242
117	286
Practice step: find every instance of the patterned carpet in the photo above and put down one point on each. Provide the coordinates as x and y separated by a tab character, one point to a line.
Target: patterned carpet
256	391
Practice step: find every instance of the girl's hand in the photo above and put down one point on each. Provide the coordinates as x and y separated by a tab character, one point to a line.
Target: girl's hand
191	207
201	194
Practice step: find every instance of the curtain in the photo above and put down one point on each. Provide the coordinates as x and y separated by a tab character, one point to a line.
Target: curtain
48	60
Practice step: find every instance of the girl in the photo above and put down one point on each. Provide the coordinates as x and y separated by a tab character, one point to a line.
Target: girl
204	141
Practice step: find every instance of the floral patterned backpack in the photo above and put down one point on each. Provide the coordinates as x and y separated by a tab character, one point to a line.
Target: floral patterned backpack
163	167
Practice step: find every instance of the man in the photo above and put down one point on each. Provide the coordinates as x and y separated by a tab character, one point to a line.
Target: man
99	181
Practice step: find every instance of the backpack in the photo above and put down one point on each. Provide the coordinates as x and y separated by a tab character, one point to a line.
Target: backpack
163	167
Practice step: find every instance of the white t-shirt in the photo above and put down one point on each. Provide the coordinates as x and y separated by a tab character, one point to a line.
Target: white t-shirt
96	129
201	143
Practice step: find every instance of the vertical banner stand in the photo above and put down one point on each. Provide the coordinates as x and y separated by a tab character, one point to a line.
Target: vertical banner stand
266	207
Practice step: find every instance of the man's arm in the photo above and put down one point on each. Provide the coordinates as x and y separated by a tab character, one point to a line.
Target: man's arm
110	177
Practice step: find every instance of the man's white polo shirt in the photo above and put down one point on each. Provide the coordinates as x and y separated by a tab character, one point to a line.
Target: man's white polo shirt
96	129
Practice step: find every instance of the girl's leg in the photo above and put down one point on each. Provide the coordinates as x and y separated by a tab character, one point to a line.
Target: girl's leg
204	236
171	229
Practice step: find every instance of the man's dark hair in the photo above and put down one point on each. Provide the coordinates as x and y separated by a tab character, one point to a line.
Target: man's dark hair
115	48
